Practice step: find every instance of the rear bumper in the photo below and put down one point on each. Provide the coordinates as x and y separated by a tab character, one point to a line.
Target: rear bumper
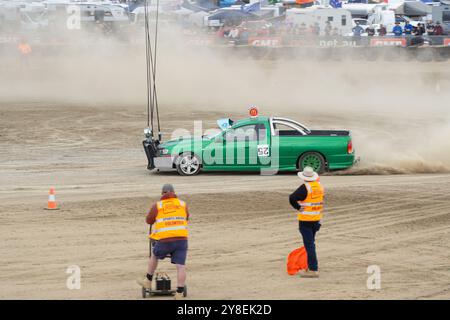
344	161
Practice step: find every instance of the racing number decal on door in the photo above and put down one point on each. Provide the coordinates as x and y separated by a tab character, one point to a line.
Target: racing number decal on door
263	150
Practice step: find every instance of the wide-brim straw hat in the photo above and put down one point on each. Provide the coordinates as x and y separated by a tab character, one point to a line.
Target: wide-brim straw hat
308	174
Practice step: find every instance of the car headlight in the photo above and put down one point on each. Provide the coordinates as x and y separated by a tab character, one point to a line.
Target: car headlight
163	151
147	132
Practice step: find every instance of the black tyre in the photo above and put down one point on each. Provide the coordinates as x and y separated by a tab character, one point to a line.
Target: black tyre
314	160
188	164
144	293
185	291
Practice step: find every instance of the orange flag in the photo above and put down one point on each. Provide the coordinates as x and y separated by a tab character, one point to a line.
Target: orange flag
297	260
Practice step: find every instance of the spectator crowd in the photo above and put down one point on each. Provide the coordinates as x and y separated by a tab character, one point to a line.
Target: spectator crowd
262	28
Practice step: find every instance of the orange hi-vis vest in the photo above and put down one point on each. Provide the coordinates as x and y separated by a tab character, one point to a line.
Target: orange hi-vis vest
24	48
312	206
171	219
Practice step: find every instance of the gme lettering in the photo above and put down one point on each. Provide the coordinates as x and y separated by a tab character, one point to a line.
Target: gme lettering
264	42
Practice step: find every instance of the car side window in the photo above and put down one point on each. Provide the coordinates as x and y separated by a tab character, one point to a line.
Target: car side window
244	133
284	129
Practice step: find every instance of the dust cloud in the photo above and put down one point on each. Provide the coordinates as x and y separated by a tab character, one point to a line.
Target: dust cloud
396	108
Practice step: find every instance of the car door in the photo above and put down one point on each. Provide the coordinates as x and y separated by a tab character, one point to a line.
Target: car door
229	150
289	140
237	143
247	147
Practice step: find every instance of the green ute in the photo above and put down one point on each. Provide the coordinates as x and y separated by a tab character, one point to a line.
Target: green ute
258	143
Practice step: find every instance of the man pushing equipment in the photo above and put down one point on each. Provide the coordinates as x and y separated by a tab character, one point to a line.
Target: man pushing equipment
169	219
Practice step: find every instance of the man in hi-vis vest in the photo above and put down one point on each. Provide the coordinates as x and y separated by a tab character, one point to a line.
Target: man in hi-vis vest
308	200
169	220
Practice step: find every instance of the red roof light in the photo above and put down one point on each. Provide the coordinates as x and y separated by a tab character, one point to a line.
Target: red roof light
253	111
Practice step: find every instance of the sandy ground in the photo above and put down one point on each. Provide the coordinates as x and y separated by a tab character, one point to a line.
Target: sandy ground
242	227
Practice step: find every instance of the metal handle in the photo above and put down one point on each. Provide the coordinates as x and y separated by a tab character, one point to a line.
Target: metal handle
150	242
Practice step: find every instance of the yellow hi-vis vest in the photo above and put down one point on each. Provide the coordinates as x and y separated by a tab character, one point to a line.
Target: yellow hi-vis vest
312	206
171	219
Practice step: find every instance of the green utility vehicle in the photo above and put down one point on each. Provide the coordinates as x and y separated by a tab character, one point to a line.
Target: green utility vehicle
257	143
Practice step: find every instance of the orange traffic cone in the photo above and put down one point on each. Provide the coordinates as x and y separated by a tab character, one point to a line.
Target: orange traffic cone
51	205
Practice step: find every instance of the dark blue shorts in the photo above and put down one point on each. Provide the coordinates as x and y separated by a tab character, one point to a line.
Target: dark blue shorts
176	249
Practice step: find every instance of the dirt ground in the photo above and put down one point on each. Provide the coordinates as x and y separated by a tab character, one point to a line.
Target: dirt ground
242	226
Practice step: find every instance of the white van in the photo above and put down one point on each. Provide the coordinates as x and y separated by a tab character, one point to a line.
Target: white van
375	14
338	18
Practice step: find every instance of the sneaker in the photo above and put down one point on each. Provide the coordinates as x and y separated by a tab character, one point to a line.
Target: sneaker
179	296
145	283
309	274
